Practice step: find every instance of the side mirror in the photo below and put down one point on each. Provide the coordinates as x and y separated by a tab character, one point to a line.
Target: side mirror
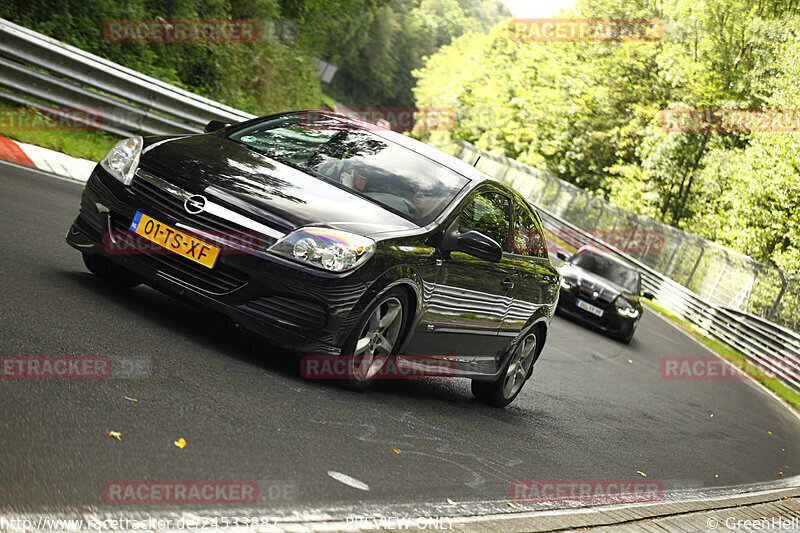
479	245
648	295
562	256
215	125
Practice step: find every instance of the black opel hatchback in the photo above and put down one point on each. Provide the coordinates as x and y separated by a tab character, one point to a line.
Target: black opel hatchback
334	237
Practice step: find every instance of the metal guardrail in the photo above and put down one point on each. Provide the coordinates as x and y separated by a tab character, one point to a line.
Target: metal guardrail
772	348
42	72
718	274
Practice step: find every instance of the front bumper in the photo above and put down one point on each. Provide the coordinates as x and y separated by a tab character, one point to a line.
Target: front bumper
611	322
290	307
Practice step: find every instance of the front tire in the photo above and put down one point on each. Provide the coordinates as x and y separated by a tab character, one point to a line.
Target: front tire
375	339
110	272
517	370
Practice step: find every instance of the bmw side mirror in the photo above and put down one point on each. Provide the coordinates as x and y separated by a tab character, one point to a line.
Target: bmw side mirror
215	125
562	256
479	245
648	295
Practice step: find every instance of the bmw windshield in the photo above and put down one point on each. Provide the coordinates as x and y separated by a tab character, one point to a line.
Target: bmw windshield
608	268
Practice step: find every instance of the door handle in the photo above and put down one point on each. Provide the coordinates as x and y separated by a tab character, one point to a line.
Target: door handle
507	284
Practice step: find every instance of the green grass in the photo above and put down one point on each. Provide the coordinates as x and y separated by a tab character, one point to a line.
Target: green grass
86	144
737	359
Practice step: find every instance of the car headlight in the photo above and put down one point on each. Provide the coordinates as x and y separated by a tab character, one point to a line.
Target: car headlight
625	308
565	284
328	249
122	160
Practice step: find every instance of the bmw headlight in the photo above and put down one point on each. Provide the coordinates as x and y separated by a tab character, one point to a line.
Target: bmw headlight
566	285
625	308
328	249
122	160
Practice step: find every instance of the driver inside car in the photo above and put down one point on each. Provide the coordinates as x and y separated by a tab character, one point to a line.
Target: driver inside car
387	188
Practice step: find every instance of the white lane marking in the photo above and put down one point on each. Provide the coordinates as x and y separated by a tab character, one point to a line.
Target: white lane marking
40	171
347	480
59	163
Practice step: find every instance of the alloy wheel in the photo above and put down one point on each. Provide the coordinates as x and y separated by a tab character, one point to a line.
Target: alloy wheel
377	339
519	366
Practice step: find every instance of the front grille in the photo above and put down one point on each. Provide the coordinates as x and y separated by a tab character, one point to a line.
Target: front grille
218	280
299	312
150	195
586	295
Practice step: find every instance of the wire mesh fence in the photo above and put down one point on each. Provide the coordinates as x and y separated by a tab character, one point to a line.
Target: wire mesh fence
716	273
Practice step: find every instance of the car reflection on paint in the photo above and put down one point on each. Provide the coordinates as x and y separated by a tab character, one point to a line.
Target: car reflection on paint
361	243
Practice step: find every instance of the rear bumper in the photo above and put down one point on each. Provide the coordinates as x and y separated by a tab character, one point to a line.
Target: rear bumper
287	306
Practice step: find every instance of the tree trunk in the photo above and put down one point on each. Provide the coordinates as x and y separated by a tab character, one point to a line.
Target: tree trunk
683	195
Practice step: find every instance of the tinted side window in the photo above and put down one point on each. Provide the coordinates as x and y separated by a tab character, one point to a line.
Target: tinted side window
488	213
528	238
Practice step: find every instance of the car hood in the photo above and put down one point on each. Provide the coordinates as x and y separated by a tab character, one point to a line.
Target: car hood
588	283
263	188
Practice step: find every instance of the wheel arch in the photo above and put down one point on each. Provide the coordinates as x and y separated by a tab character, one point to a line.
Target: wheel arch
404	278
538	323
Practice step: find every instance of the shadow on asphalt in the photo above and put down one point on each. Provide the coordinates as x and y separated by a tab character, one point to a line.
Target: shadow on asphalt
217	332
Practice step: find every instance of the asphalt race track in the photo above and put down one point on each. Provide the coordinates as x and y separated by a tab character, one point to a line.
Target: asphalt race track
595	409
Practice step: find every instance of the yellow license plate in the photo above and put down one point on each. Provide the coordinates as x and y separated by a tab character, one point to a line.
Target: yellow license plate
174	240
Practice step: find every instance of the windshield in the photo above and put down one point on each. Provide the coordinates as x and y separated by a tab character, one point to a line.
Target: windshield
609	269
395	177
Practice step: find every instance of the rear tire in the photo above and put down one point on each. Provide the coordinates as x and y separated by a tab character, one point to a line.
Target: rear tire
375	339
109	272
515	374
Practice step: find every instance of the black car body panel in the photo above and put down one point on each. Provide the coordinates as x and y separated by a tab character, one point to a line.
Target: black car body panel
466	310
266	188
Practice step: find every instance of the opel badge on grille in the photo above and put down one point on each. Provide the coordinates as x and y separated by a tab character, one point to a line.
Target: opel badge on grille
195	204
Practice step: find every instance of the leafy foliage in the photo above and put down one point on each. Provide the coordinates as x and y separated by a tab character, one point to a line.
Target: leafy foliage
590	113
376	51
374	43
244	75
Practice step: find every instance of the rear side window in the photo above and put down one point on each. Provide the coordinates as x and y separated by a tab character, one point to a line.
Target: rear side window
528	237
487	213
